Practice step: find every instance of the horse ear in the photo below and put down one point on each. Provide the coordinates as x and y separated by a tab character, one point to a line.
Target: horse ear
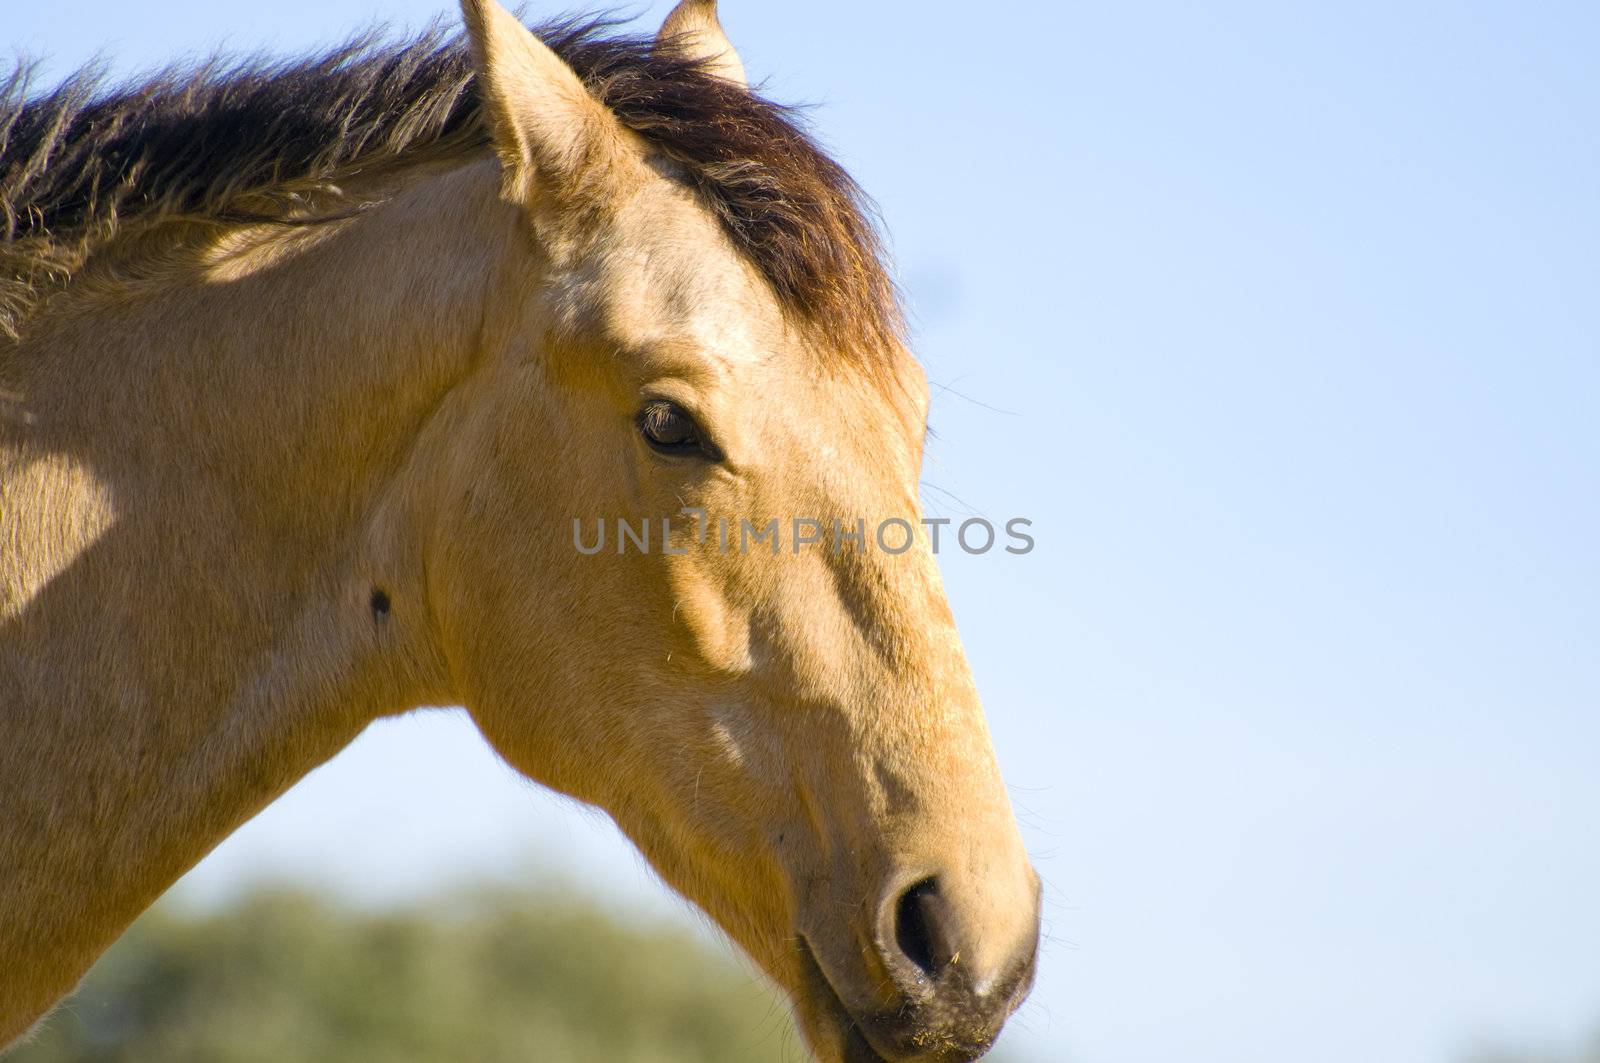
693	29
546	126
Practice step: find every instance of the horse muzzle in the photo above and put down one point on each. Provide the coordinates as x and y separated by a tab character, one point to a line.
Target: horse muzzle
932	980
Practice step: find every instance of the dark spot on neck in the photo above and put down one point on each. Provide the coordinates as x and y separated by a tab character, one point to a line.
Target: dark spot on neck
380	604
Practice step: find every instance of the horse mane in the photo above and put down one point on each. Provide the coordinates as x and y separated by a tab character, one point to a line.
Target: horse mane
262	141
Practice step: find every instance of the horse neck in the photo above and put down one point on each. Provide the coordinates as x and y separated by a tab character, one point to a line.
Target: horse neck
211	561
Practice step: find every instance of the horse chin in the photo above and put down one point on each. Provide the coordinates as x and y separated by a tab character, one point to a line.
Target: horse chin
827	1024
836	1035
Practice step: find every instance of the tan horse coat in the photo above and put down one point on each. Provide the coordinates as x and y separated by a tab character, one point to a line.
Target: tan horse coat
261	484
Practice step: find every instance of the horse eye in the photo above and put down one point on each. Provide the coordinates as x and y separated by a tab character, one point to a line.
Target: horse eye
670	428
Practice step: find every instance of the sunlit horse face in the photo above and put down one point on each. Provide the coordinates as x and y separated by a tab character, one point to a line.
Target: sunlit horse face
793	739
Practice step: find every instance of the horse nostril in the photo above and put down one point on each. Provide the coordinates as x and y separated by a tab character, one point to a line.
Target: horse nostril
919	928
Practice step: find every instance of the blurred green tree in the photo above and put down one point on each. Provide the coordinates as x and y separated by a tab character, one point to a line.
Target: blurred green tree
1500	1054
282	976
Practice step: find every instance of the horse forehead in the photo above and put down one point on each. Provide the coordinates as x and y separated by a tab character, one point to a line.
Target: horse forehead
670	286
677	288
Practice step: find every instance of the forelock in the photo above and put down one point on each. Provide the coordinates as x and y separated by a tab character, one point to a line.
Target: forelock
258	140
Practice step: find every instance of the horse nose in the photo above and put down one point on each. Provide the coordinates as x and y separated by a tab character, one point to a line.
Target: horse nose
922	931
931	935
966	961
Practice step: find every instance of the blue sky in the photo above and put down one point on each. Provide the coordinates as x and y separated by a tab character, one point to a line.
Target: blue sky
1280	321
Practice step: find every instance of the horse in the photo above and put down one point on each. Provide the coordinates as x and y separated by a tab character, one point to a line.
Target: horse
308	371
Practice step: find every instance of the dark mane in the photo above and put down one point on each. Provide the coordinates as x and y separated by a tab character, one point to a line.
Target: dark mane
260	140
